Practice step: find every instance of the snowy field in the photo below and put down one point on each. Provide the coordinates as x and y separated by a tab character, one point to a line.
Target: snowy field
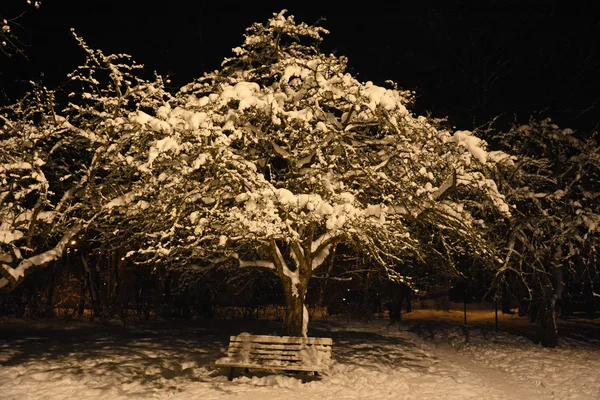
421	358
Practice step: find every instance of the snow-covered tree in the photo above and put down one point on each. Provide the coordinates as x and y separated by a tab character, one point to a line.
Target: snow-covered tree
53	163
553	238
32	230
280	155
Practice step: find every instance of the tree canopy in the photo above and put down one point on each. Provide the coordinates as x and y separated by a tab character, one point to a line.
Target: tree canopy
268	162
552	239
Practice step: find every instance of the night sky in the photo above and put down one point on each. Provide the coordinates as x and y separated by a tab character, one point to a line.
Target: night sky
468	60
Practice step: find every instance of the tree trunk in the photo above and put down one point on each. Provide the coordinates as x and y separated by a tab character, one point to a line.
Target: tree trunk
167	295
294	316
295	286
550	292
548	328
326	279
82	290
49	312
92	281
399	295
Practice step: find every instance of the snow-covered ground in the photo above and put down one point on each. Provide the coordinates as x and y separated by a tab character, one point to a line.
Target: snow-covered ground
425	357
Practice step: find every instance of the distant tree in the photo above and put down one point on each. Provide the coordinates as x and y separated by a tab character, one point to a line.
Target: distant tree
551	177
32	232
52	160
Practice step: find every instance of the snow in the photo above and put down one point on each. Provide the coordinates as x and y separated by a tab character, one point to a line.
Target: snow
13	166
121	200
378	96
45	216
155	124
304	321
293	275
167	144
320	257
419	358
471	143
10	236
257	263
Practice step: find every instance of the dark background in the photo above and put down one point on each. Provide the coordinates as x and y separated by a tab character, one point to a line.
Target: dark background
468	60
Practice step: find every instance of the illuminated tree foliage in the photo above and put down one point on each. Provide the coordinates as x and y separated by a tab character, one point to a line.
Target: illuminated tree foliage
269	162
51	163
279	156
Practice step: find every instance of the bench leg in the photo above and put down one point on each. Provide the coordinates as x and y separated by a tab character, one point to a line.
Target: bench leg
246	370
231	372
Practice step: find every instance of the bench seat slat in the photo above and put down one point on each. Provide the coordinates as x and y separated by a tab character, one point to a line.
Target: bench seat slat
281	339
295	347
290	357
271	354
262	360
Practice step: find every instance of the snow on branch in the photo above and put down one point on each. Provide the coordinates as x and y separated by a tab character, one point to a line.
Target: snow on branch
321	248
320	257
257	263
323	241
284	270
472	143
15	275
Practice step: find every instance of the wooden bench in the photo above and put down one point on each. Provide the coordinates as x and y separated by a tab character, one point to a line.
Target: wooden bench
286	353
